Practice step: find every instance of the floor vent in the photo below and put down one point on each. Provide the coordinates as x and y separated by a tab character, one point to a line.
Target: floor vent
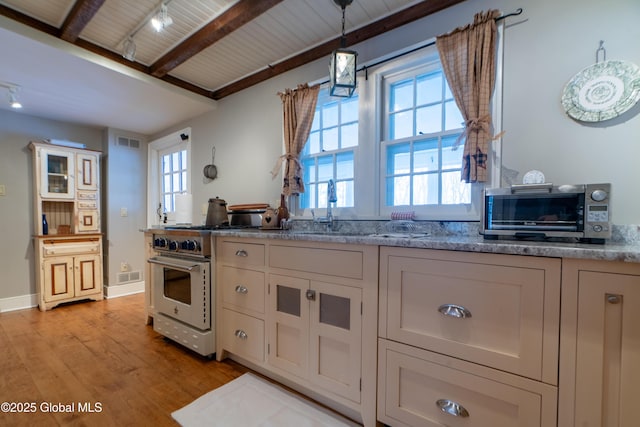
132	276
128	142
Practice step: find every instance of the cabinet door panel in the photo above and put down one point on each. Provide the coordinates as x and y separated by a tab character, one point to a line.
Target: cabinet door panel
87	275
487	314
608	349
58	278
289	324
87	171
336	347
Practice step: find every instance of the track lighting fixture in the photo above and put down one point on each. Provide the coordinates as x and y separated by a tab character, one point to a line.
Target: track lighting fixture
129	49
162	20
342	70
13	89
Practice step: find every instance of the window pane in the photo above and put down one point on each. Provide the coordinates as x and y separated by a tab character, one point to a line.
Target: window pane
398	191
309	170
313	145
447	91
350	110
425	156
166	184
429	88
429	119
166	164
425	189
183	183
452	117
451	159
344	191
183	158
168	206
316	121
454	191
398	159
330	139
176	182
344	165
330	114
325	168
349	136
401	96
401	125
322	195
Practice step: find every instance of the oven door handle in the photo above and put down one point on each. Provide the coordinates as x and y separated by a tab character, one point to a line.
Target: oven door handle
168	264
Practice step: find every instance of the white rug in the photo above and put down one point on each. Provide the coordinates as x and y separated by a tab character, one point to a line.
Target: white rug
249	401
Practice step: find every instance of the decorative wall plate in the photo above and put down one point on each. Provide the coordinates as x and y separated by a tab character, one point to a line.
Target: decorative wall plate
602	91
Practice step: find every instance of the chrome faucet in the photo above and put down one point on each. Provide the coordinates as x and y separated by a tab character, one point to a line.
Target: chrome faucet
332	197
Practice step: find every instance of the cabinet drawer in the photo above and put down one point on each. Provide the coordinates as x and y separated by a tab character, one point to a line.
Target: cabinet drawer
242	254
494	314
243	289
243	335
417	386
61	249
331	262
88	221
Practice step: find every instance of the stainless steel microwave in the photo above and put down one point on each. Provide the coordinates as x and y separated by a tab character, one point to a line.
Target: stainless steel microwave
540	211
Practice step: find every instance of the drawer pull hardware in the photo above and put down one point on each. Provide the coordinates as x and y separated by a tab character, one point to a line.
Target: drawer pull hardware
613	298
311	295
242	252
452	408
241	334
453	310
241	289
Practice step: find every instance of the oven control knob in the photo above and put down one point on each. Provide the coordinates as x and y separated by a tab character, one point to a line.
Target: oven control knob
598	195
191	245
173	245
160	242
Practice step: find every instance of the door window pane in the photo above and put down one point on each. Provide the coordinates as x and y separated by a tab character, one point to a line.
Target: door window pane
335	311
288	300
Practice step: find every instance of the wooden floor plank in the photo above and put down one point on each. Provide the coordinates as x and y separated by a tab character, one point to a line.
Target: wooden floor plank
99	353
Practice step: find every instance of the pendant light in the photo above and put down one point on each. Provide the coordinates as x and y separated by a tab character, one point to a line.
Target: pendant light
342	70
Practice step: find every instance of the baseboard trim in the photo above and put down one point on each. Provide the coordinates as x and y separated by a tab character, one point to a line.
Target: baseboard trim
18	303
115	291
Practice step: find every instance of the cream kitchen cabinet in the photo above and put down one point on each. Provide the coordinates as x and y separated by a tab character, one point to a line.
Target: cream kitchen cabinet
314	333
467	339
600	344
71	270
303	313
67	195
240	295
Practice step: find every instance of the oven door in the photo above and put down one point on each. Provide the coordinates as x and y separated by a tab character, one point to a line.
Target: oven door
182	289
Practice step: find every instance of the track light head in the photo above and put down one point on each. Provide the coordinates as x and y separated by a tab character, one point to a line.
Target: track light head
162	20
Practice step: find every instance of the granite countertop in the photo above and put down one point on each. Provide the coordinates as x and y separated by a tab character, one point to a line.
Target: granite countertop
453	236
470	243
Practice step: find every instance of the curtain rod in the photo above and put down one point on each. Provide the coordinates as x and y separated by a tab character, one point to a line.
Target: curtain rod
499	18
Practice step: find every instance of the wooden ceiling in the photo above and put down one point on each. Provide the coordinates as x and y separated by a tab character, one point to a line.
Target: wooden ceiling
217	47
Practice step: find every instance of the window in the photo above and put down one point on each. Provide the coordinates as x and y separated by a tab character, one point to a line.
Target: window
169	174
391	147
173	176
330	151
422	124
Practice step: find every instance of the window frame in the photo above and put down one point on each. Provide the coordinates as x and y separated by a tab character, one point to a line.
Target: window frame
156	149
370	157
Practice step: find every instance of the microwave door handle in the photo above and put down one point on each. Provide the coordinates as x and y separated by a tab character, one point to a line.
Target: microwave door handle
168	264
532	188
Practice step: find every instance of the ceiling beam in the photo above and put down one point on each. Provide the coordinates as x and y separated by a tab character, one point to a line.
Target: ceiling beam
410	14
80	15
233	18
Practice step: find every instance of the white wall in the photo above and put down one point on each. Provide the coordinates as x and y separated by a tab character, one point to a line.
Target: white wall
17	277
544	47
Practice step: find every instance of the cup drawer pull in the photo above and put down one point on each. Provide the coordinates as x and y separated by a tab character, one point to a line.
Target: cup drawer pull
241	334
452	310
242	252
241	289
452	408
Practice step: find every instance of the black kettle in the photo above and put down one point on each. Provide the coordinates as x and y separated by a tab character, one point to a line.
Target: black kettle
217	213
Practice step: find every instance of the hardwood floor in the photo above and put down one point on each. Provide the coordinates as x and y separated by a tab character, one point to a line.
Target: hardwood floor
98	356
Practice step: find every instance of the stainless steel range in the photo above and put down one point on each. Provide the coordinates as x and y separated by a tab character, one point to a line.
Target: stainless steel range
183	288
